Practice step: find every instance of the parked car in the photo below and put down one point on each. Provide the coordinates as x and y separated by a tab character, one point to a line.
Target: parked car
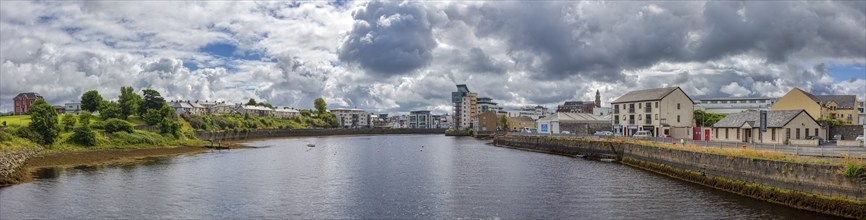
820	139
565	132
641	134
859	138
603	133
836	138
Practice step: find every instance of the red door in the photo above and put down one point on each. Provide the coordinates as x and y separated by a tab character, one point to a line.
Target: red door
707	135
696	133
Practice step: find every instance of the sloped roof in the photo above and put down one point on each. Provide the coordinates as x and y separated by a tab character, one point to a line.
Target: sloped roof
842	101
286	110
645	95
28	95
775	119
179	105
521	119
576	117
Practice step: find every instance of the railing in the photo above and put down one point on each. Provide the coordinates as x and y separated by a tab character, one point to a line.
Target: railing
821	150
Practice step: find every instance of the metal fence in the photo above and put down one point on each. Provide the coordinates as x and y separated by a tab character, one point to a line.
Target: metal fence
821	150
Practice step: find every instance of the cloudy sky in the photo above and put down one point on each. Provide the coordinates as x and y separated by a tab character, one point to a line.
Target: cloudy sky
393	57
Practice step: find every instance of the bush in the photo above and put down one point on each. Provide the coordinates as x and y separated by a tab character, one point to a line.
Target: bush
168	126
83	136
68	122
152	117
115	125
84	118
43	121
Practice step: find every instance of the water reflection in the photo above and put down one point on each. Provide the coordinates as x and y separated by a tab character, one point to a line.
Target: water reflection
373	177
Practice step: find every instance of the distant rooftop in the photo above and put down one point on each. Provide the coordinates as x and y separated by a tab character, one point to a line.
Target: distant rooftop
462	88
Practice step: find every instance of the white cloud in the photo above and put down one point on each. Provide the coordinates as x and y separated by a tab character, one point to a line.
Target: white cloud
417	51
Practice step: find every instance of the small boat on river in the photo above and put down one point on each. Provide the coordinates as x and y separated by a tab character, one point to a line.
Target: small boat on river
311	145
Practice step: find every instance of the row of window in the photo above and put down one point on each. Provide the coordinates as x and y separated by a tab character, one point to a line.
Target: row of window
772	133
647	120
736	101
648	106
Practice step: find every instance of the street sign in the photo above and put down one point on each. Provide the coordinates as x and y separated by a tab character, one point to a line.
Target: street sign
763	120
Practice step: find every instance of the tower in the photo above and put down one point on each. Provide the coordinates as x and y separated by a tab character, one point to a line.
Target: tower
597	99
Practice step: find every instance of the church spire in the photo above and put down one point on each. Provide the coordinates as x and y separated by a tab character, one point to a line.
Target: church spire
597	99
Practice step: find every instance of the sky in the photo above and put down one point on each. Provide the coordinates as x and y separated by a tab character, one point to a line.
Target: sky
395	57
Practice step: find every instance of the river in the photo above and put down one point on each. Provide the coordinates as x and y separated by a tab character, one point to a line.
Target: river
394	176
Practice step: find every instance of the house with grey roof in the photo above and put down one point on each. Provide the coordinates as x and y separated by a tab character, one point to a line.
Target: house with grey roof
838	107
662	111
783	126
181	107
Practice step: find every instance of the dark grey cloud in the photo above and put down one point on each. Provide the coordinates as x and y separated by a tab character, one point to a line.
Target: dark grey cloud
390	38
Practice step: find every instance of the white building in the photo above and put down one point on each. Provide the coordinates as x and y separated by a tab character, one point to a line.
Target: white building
601	111
285	113
352	118
254	110
733	105
75	108
399	121
181	107
420	119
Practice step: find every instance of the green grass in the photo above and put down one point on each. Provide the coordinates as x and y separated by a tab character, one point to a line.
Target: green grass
135	120
15	120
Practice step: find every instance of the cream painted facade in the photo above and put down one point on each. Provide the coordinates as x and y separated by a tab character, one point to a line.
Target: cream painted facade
798	99
670	113
799	128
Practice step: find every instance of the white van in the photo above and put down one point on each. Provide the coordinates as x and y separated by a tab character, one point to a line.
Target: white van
642	134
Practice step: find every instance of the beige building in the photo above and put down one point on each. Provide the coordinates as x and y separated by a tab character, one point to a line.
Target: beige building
465	107
840	107
486	122
351	118
782	126
661	111
518	123
285	113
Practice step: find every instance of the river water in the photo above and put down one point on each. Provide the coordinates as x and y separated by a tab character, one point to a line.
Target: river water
374	177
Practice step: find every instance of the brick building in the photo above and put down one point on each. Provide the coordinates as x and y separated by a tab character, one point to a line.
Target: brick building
23	102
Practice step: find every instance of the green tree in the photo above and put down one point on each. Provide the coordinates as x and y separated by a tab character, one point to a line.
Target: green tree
152	117
68	122
706	119
152	100
251	102
84	136
320	105
84	118
109	109
43	121
91	100
503	122
168	112
129	102
265	104
169	126
829	122
329	120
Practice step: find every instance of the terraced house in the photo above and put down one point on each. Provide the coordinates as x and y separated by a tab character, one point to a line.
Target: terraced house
839	107
661	111
783	126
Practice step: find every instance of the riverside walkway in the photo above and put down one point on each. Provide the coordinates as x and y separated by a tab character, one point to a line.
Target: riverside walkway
826	150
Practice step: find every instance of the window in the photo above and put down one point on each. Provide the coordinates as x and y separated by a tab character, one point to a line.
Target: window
716	130
773	134
657	104
787	134
657	117
816	132
616	118
726	133
807	133
678	118
678	105
797	134
738	133
724	102
751	101
639	105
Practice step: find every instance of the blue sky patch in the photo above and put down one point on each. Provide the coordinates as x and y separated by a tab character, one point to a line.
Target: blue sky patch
846	72
224	50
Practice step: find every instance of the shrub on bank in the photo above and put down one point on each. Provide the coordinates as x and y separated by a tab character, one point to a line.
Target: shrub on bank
116	125
83	136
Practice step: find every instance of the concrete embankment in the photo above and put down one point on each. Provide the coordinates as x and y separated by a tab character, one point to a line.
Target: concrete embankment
11	163
816	187
274	133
